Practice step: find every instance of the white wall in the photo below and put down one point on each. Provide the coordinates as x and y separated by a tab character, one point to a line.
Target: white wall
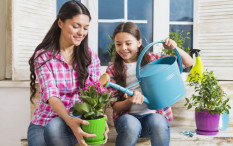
2	37
14	111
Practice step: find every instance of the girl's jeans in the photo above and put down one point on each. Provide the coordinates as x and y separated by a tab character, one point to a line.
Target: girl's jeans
131	127
55	133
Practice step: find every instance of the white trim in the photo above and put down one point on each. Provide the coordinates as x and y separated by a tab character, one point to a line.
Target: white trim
195	25
180	23
161	19
125	10
3	7
92	6
121	20
13	84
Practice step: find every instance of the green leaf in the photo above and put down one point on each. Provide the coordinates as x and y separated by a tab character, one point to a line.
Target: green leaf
189	106
76	113
90	114
88	100
82	107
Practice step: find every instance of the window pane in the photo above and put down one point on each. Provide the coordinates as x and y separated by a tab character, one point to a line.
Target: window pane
181	10
111	9
185	29
60	3
105	29
146	33
140	10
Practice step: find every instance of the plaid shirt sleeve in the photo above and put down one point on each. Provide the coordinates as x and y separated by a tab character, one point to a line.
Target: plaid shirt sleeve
94	68
46	79
110	71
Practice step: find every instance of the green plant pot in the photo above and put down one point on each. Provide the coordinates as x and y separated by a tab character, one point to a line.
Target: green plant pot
96	126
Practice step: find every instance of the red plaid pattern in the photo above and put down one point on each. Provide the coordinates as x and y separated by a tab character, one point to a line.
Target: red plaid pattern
166	112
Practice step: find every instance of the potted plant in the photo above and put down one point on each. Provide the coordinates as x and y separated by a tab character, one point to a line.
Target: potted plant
209	102
180	39
95	98
111	47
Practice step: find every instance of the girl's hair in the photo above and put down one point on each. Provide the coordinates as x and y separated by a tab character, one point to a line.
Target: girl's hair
120	72
81	57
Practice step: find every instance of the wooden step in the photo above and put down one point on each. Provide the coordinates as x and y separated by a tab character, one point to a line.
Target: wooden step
223	138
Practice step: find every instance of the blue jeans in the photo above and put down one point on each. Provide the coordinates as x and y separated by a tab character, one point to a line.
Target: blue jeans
55	133
131	127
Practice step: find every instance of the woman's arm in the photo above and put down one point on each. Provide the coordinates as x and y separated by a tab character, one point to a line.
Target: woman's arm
72	122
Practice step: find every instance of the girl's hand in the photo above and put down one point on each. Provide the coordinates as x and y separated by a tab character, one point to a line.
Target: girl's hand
74	124
169	44
137	98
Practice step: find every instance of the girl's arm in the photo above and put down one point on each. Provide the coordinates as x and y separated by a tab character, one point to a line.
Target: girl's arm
186	58
121	106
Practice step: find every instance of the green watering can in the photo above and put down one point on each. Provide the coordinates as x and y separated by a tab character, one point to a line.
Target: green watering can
160	80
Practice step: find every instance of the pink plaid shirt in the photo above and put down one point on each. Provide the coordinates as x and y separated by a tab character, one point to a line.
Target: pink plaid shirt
57	79
166	112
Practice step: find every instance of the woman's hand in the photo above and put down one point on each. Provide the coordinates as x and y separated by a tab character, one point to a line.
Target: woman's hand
74	124
169	44
106	130
137	98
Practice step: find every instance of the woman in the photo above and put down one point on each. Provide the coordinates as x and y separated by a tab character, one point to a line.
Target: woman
63	63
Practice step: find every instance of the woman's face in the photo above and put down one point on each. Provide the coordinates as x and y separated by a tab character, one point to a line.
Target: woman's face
74	30
127	46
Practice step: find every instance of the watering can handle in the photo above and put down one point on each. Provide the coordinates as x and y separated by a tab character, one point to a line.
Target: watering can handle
144	51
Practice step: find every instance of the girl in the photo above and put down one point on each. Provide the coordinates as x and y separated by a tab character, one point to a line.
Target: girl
132	118
63	63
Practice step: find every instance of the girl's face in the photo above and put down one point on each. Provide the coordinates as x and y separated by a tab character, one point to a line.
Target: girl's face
127	46
74	30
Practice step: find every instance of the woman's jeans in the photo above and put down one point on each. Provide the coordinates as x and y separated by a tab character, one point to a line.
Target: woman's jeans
131	127
55	133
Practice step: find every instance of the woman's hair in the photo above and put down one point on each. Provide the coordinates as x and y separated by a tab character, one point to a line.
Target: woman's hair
81	57
120	72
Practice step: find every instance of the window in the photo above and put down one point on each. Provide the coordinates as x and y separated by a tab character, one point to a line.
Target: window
60	3
181	19
112	13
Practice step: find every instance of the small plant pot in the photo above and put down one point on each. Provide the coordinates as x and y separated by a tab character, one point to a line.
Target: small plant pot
207	123
96	126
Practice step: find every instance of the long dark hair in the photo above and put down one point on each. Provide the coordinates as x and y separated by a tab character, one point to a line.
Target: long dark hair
81	57
120	72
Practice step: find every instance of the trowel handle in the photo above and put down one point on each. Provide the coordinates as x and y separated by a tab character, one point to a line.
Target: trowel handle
125	90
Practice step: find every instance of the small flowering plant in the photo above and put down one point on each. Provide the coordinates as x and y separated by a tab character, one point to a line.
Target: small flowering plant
95	98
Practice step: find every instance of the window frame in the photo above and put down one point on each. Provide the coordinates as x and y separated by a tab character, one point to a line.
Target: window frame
160	27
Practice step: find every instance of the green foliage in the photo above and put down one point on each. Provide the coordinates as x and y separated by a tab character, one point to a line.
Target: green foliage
94	98
179	39
208	94
111	47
